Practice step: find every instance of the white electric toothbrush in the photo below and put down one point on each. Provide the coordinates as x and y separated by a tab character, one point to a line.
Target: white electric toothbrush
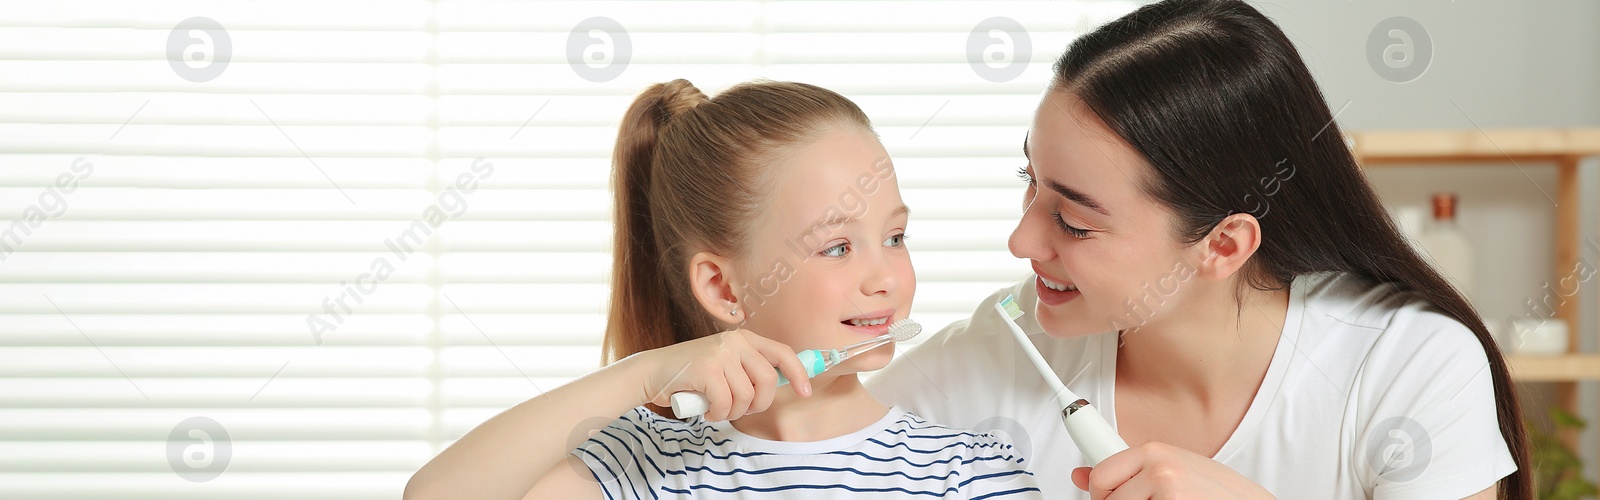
688	404
1089	430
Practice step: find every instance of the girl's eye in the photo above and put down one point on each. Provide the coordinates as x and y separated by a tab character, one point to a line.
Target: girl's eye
1075	232
898	240
1022	173
839	250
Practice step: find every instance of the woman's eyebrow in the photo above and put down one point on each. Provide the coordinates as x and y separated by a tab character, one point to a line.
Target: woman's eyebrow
1077	197
1069	193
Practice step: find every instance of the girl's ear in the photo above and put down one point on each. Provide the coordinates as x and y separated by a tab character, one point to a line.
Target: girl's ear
1229	246
712	279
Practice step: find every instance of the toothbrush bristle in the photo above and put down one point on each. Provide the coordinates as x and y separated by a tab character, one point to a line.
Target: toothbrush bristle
904	330
1011	307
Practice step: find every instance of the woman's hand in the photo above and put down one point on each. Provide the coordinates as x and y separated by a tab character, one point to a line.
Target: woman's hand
733	369
1162	471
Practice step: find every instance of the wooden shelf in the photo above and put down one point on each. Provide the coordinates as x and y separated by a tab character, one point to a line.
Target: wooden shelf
1563	147
1558	368
1473	146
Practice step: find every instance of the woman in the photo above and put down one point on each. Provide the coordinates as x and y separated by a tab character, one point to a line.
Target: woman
1214	273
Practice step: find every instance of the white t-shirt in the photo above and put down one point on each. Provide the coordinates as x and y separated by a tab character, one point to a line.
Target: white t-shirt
1370	394
645	455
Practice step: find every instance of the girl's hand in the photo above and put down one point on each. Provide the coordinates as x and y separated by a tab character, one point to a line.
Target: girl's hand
1162	471
733	369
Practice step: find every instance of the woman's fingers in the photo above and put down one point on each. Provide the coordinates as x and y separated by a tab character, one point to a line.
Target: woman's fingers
1100	488
1135	488
1110	474
1080	478
1156	470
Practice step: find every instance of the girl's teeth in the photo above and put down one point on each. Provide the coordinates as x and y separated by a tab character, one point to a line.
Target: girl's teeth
868	322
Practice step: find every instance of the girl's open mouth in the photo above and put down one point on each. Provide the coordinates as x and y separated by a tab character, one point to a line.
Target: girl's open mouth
874	323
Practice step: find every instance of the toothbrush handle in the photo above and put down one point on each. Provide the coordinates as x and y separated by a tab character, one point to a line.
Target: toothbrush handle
687	404
1090	431
1087	427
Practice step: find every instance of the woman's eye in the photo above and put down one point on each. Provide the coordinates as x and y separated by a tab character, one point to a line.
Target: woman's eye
839	250
1022	173
1075	232
897	240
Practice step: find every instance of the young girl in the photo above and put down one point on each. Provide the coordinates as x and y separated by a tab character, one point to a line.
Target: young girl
770	208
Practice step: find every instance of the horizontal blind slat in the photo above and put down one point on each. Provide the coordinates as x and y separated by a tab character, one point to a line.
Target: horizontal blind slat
263	424
248	456
261	363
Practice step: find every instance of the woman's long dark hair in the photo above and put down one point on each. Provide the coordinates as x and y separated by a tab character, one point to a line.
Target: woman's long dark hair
1220	105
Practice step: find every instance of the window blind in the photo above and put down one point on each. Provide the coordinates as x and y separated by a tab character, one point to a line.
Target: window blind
295	248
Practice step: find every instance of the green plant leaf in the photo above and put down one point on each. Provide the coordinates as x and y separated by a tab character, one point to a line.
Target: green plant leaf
1565	420
1558	472
1573	487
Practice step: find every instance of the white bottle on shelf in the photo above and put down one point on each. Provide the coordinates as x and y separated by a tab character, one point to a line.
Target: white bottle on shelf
1446	246
1410	219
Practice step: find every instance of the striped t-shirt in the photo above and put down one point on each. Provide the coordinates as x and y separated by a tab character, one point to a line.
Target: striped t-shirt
644	455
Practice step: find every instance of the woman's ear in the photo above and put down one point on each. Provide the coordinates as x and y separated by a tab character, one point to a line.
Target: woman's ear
712	279
1229	246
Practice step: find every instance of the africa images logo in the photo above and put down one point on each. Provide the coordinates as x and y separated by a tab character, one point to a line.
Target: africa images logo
1399	449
